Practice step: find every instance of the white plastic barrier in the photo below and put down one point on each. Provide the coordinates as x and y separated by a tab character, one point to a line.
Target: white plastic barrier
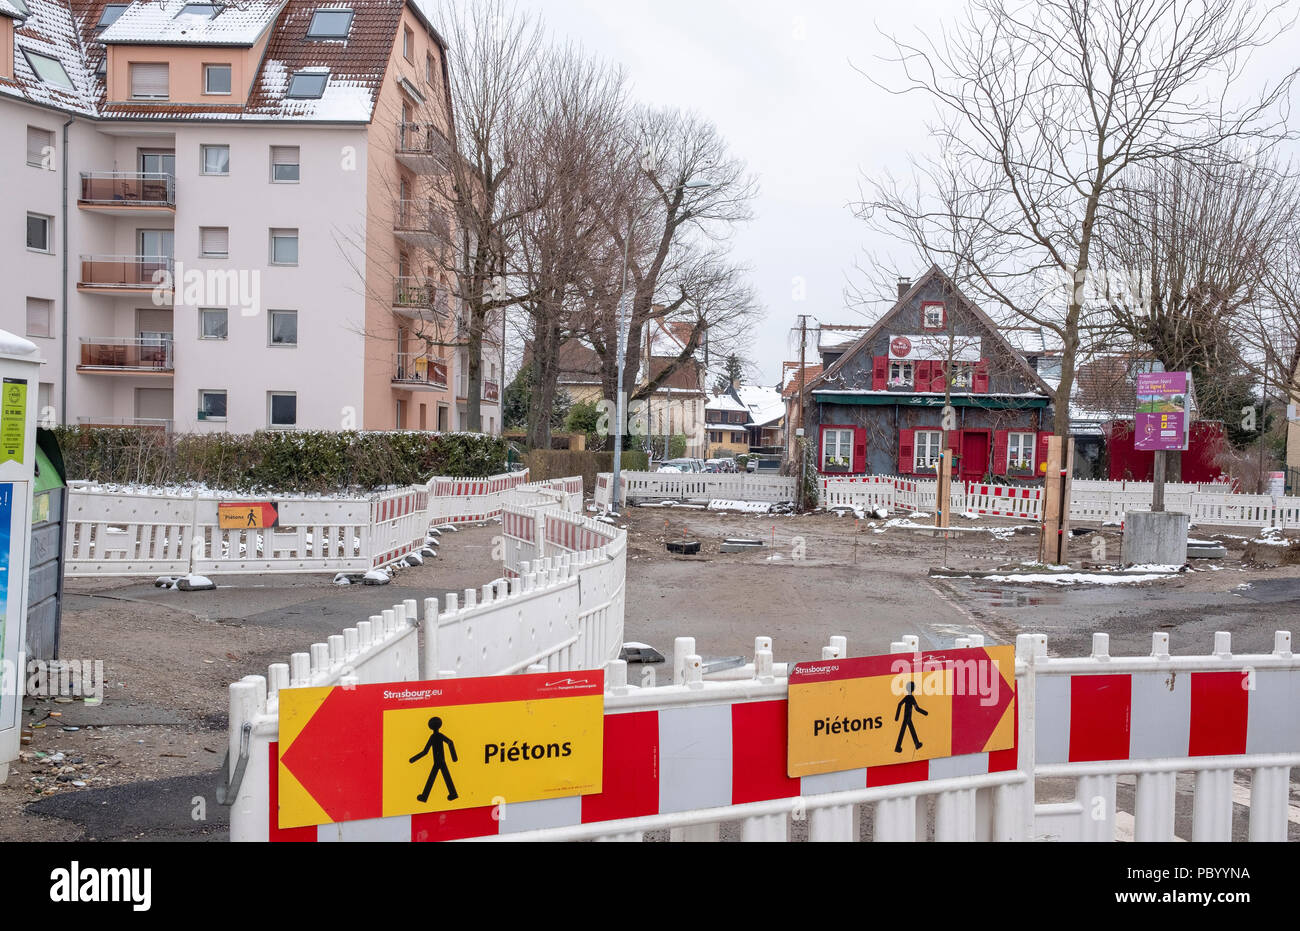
706	486
695	755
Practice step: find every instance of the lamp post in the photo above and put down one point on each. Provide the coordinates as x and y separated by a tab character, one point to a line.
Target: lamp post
620	400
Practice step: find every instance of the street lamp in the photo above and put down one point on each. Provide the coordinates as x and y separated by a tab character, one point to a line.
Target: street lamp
620	399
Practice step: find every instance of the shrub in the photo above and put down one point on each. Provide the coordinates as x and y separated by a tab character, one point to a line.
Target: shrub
313	462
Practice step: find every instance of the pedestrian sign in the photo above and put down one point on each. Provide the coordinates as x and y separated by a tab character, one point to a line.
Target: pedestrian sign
371	751
878	710
246	515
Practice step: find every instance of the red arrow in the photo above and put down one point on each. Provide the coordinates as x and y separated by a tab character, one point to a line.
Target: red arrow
973	722
338	756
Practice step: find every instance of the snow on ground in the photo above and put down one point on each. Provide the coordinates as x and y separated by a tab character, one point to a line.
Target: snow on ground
1070	578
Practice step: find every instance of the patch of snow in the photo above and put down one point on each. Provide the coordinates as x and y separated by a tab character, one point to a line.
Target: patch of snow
745	507
1073	578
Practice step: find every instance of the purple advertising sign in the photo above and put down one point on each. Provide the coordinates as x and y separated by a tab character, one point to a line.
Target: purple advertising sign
1164	411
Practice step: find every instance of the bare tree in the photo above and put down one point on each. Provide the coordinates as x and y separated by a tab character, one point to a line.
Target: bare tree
1046	106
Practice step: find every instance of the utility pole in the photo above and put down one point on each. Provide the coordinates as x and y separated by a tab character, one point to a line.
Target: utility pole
801	442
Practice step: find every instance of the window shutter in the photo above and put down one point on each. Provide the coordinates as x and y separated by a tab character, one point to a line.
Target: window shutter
1040	462
981	379
37	140
906	452
284	155
1000	443
921	378
954	440
938	377
821	449
859	450
215	240
149	79
880	373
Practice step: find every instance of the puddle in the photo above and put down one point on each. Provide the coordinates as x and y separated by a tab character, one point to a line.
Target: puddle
1014	598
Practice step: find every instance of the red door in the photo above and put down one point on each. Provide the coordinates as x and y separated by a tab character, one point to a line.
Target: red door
975	445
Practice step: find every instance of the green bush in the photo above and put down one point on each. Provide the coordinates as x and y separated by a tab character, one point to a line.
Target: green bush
313	462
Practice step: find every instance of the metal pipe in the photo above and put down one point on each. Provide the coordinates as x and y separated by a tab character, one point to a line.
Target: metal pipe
63	374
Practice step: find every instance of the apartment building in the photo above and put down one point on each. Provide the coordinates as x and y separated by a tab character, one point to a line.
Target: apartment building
231	215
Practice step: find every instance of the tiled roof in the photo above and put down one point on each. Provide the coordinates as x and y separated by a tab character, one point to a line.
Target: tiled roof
158	22
685	378
792	381
67	30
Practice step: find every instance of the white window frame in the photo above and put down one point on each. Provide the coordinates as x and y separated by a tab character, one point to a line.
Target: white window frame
203	160
297	164
270	407
203	312
1022	443
49	143
955	370
230	80
408	44
936	308
49	233
283	234
906	376
270	330
842	441
928	448
48	69
221	391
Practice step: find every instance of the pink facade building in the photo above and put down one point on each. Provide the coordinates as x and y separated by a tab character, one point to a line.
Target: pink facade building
230	218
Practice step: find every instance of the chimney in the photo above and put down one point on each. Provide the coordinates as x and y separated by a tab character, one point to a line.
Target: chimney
904	285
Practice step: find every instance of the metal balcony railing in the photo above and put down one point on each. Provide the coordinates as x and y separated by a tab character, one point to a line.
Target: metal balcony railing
420	139
125	271
421	370
135	355
412	292
128	188
420	216
143	423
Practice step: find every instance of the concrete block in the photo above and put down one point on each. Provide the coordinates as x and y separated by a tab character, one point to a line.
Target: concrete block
1154	539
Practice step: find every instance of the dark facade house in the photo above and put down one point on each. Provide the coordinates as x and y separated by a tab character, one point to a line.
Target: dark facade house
877	408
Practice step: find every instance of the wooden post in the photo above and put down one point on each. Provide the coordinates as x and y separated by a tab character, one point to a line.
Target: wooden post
1063	509
1049	548
943	494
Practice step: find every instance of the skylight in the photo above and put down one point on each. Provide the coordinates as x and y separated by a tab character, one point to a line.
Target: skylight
49	70
330	24
199	11
308	85
22	7
111	12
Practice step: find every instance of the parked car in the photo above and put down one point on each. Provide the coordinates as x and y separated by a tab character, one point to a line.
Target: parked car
686	465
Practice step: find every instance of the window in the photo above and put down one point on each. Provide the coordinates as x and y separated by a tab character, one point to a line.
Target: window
330	24
216	79
39	314
214	241
400	420
408	43
149	80
284	247
49	70
214	323
283	408
111	12
284	327
902	374
929	448
932	316
212	405
199	11
1020	451
40	148
40	232
307	85
837	450
216	159
961	374
284	164
429	70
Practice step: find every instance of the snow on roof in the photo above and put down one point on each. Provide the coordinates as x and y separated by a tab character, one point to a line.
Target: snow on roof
1031	340
185	22
764	404
49	31
725	402
838	336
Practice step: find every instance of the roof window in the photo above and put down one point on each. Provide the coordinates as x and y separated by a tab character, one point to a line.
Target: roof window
330	24
308	85
111	12
49	70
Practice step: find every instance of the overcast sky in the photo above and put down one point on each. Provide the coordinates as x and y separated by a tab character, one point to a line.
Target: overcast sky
778	79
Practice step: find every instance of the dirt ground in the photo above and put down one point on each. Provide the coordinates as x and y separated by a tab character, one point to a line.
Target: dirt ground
143	763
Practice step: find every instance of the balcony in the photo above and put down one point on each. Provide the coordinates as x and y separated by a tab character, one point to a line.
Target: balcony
111	356
491	391
128	194
124	274
418	299
420	224
422	148
127	423
419	372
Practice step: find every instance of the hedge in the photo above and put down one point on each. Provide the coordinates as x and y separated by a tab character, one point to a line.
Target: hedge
311	462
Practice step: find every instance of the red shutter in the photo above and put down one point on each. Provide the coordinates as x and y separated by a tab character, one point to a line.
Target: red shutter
821	449
981	379
938	377
906	452
880	373
921	376
1041	460
859	450
1000	443
954	440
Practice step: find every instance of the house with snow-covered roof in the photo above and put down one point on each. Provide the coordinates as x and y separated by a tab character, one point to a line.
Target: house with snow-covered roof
234	214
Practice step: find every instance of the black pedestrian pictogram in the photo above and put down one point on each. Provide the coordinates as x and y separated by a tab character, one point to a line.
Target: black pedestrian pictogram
252	518
434	746
905	709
